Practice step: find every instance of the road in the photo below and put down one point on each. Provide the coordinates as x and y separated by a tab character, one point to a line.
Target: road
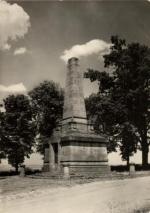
117	196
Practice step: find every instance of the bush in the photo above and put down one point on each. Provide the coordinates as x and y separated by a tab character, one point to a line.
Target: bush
119	168
8	173
30	171
124	168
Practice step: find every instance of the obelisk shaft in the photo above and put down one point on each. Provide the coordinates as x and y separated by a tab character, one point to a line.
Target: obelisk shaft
74	105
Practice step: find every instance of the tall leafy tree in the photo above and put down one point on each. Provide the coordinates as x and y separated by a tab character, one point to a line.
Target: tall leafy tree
129	85
19	129
47	105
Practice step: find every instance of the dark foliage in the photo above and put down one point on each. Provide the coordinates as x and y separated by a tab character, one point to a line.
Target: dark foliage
47	105
128	91
18	129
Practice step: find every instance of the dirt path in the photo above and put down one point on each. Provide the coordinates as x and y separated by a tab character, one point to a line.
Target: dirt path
117	196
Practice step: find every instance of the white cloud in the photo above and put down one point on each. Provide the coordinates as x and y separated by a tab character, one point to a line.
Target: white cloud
20	51
95	46
14	23
14	88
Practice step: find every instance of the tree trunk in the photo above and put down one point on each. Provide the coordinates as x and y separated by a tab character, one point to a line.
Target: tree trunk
145	151
145	155
128	161
17	167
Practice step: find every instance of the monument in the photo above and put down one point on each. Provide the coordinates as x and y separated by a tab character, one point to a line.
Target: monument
74	148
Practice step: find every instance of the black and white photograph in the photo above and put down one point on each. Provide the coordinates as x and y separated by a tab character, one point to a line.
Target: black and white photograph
74	106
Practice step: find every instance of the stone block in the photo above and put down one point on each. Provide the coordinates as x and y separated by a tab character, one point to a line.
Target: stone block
132	169
22	171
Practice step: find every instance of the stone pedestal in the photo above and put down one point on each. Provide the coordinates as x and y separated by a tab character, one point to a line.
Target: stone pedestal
84	154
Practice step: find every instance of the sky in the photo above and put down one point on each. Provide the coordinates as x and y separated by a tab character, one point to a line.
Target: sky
37	38
32	43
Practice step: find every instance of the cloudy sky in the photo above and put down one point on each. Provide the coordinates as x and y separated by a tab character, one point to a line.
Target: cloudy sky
36	38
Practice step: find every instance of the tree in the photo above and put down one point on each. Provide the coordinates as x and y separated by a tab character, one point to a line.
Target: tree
128	138
129	85
47	104
100	111
19	129
109	118
2	135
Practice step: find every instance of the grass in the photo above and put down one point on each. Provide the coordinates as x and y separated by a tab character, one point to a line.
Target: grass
143	210
16	184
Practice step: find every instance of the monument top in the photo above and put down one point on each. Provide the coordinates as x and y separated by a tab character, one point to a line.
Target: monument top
73	60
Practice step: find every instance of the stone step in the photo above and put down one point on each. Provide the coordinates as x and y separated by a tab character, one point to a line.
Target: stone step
60	175
49	175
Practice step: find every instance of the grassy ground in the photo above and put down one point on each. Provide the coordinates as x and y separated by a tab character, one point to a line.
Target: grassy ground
30	183
16	184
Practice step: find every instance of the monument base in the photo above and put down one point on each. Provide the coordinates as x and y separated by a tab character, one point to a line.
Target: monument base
92	169
84	155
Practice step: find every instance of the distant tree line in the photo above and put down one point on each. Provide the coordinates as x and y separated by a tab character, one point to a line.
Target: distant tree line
120	110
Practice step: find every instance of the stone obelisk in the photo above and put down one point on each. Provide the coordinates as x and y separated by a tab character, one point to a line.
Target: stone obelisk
74	106
82	151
